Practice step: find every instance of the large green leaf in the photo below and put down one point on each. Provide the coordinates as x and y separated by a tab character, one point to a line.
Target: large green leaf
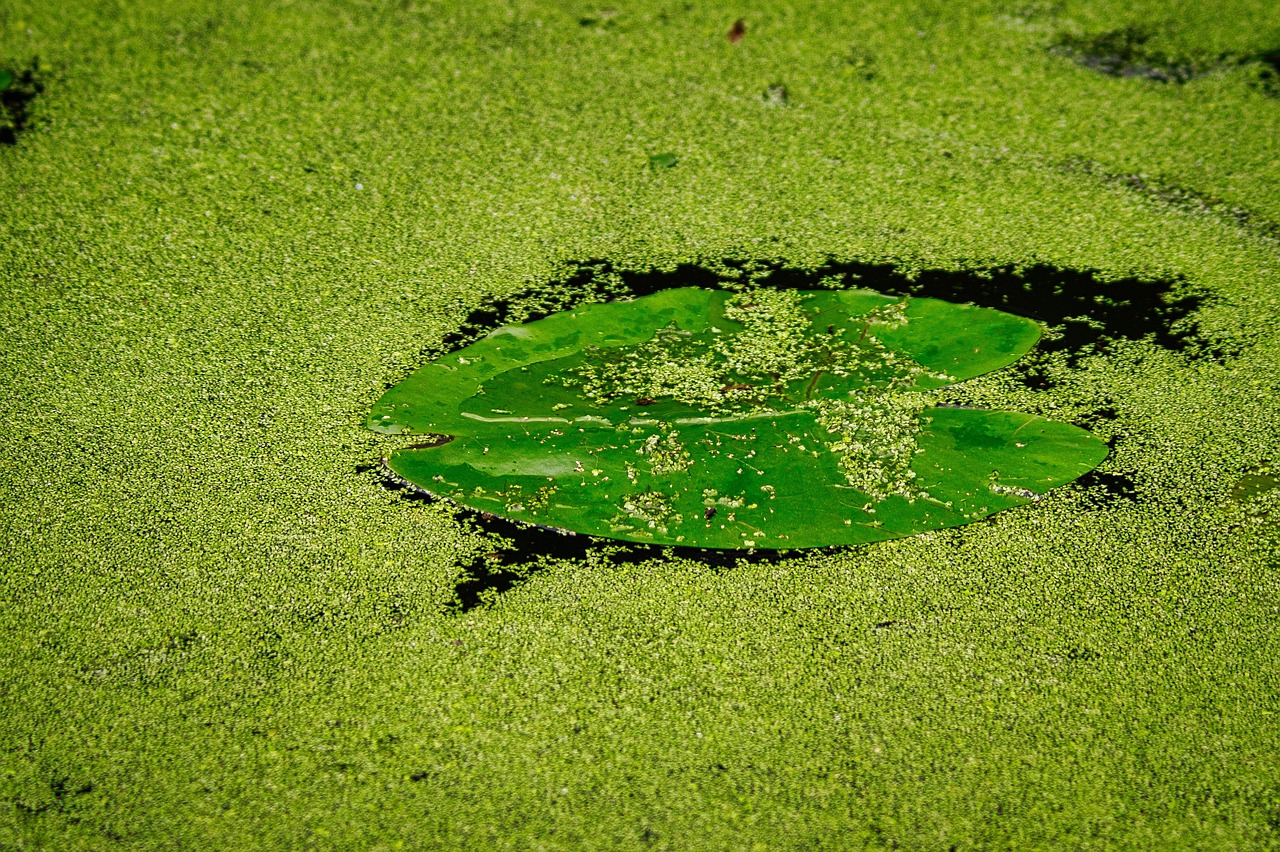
766	419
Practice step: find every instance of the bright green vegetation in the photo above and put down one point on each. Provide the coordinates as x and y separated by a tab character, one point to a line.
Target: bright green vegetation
228	228
769	419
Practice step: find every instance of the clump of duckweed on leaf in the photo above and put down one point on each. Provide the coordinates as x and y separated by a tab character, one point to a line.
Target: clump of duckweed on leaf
875	440
750	371
665	455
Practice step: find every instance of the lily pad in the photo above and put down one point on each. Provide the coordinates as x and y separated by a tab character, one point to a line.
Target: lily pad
769	419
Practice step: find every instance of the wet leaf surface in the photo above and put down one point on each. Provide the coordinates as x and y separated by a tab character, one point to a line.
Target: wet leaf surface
765	419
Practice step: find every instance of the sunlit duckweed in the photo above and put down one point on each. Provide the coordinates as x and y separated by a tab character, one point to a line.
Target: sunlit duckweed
228	228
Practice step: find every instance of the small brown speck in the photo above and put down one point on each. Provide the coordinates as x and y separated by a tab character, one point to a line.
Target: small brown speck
737	31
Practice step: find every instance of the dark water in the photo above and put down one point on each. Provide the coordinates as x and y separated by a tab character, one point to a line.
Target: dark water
16	99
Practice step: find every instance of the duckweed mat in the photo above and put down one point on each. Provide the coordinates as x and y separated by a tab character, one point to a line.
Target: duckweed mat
229	229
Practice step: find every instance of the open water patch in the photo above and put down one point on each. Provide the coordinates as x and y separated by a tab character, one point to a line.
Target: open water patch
18	88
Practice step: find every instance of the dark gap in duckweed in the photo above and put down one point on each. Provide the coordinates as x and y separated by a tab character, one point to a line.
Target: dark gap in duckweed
1117	486
1085	311
1271	59
1128	52
63	790
1256	492
1263	71
603	19
17	90
1111	485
